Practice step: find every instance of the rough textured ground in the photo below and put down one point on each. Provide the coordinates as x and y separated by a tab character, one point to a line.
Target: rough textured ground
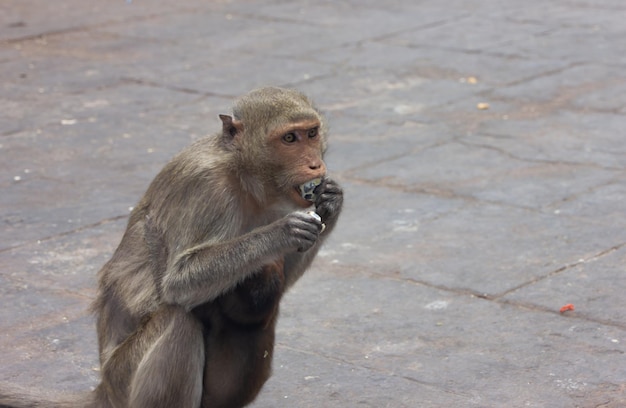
466	226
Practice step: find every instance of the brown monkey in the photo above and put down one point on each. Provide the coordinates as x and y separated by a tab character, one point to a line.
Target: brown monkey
187	306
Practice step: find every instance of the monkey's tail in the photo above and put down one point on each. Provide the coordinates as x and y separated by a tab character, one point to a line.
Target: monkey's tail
13	396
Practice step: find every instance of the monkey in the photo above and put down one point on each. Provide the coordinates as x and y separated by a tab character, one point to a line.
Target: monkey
187	306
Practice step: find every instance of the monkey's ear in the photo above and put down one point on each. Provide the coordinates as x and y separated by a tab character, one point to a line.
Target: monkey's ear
230	127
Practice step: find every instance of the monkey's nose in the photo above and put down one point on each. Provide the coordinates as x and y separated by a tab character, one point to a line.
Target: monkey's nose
316	165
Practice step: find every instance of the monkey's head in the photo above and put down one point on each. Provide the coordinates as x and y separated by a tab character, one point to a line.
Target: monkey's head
278	139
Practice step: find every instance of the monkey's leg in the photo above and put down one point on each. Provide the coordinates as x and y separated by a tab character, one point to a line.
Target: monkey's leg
160	365
238	363
240	341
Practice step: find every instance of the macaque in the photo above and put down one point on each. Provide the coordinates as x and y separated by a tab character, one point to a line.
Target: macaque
187	306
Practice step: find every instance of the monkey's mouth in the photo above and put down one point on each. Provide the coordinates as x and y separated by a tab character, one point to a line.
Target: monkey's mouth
307	190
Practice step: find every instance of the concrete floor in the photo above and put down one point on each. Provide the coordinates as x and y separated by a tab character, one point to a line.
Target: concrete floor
481	145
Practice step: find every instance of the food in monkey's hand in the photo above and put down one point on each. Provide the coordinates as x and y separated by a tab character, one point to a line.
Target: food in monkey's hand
307	189
317	216
314	214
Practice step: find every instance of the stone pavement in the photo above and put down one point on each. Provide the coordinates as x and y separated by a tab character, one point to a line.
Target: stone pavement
481	144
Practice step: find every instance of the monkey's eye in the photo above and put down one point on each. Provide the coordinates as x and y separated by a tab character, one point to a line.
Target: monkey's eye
312	133
290	137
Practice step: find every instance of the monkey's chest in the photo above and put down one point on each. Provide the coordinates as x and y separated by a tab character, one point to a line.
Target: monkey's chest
252	303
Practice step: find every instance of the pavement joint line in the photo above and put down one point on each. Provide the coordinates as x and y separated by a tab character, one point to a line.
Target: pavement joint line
457	291
450	194
532	160
469	51
65	233
271	19
422	27
431	190
295	84
76	294
558	203
557	271
41	322
368	368
181	89
38	36
357	169
11	132
544	74
426	190
505	152
583	5
138	38
379	39
555	311
95	26
533	109
122	81
498	298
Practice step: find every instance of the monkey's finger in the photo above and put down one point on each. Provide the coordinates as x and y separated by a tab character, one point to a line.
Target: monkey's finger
310	218
320	187
328	203
331	195
305	243
329	186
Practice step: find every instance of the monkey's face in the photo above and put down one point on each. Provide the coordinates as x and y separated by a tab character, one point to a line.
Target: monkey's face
298	152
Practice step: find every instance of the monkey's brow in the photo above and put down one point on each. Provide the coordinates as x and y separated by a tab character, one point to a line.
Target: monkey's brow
306	124
296	117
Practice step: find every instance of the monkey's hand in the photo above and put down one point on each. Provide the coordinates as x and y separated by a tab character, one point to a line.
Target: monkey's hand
301	230
329	201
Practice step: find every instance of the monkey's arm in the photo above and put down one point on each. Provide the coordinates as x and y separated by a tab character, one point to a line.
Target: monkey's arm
202	273
328	206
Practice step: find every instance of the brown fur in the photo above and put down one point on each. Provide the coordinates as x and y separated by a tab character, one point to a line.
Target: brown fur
187	306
